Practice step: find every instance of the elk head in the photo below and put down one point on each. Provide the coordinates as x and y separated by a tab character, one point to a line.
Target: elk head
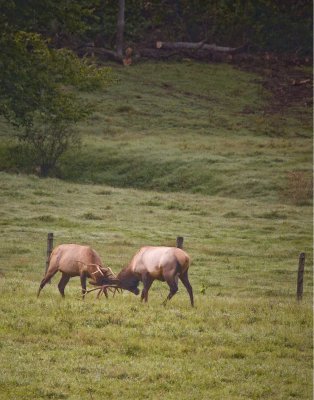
109	281
128	281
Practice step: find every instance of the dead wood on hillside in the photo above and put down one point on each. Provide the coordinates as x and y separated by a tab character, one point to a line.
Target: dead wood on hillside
200	46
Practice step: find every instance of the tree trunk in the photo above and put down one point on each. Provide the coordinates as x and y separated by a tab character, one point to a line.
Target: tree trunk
120	29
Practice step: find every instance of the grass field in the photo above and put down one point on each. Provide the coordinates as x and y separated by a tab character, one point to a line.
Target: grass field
164	155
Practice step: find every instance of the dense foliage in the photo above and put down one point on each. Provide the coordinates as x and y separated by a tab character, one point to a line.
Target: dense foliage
266	24
36	80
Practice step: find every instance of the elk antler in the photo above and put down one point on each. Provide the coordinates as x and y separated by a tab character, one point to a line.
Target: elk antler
98	267
103	290
98	270
107	272
104	271
110	271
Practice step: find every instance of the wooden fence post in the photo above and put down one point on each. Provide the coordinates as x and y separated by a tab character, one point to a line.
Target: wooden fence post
49	248
180	242
300	276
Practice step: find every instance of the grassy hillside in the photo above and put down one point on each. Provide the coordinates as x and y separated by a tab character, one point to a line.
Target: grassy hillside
191	127
216	169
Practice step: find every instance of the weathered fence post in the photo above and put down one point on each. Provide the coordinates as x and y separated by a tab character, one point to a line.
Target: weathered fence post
180	242
49	248
300	276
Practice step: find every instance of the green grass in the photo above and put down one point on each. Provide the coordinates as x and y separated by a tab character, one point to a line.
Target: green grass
247	337
216	170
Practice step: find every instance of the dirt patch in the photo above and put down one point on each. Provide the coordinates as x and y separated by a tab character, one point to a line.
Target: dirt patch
290	81
289	87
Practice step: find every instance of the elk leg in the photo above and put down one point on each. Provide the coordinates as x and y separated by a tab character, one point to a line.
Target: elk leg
45	280
173	288
83	284
147	282
185	280
63	282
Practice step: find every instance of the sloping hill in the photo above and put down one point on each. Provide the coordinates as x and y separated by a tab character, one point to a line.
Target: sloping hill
192	127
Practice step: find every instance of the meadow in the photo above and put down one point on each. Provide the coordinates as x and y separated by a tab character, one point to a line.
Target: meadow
171	149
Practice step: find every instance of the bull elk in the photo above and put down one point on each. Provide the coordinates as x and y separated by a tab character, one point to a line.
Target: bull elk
166	264
76	260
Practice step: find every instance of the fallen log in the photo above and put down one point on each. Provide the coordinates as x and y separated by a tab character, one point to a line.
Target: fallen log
301	82
164	51
199	46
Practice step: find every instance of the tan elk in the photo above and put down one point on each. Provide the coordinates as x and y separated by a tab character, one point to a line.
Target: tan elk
76	260
165	264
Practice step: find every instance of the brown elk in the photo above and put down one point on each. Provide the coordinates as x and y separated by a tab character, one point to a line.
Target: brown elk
76	260
166	264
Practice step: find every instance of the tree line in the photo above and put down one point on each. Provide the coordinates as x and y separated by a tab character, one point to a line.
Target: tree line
269	25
